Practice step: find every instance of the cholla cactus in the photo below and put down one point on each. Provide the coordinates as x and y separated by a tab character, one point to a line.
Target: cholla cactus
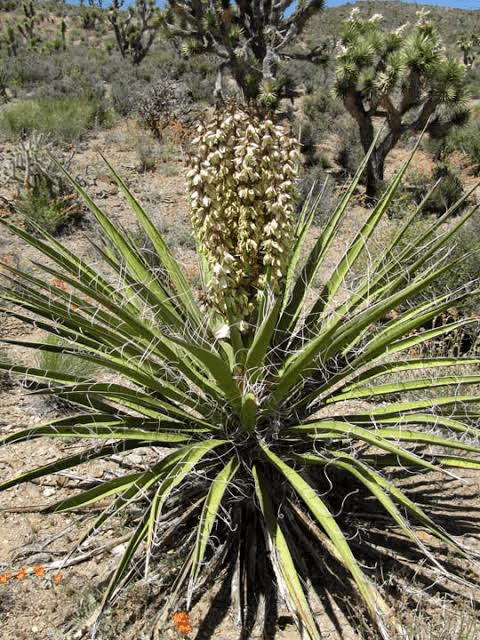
242	193
469	46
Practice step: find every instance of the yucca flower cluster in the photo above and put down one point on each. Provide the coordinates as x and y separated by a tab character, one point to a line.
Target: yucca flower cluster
242	190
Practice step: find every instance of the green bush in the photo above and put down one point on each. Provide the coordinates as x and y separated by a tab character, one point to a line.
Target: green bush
61	360
279	419
314	181
464	250
4	83
448	191
127	90
8	5
321	103
349	152
52	211
28	69
473	81
74	82
65	119
301	76
321	115
466	139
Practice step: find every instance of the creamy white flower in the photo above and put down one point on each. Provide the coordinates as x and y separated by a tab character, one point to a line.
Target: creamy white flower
402	28
222	332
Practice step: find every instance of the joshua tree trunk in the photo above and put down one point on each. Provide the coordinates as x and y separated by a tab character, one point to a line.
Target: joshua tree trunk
376	163
354	105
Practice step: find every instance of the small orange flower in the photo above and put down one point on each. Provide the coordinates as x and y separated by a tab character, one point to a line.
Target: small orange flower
184	628
181	620
21	574
4	578
39	570
60	284
58	576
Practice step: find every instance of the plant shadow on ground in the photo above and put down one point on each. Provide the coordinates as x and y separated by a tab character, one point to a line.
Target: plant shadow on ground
452	503
387	556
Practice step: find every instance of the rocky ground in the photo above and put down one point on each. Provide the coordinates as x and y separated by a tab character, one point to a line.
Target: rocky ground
44	593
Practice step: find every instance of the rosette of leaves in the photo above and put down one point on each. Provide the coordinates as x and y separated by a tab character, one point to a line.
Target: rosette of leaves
243	198
274	453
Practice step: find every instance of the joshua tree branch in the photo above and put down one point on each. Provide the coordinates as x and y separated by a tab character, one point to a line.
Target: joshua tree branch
250	34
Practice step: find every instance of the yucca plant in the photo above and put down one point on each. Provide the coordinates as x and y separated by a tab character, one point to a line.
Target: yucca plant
272	425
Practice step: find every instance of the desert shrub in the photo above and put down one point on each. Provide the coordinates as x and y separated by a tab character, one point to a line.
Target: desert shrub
75	71
127	90
58	358
349	151
448	191
167	101
464	251
320	112
321	103
148	155
313	181
65	119
312	133
55	357
199	86
308	136
197	73
473	81
467	140
278	419
108	67
91	18
75	82
301	76
29	69
4	82
8	5
49	208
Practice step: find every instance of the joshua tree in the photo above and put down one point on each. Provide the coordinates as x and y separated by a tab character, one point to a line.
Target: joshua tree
249	37
26	26
135	28
468	45
407	80
10	40
90	14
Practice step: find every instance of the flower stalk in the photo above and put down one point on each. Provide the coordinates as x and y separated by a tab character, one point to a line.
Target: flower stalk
243	196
